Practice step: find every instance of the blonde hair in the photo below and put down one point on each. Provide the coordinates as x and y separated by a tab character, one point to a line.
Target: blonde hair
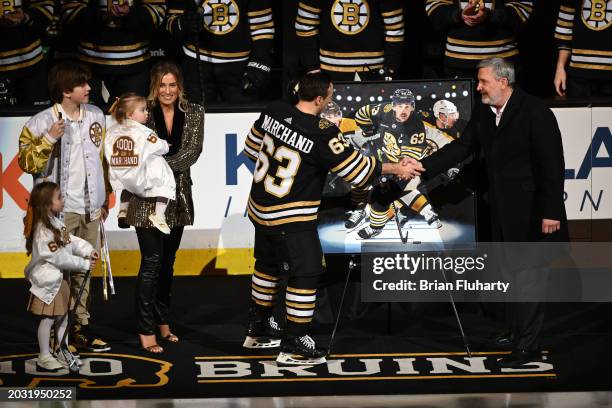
160	70
125	105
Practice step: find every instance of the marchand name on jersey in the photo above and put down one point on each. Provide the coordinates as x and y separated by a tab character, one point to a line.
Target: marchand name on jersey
286	135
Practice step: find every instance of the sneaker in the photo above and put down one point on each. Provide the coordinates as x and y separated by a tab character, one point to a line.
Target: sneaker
83	339
159	222
300	351
263	333
122	219
355	217
369	232
47	363
65	358
431	217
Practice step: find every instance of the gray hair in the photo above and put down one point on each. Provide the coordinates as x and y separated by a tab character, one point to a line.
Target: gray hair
501	69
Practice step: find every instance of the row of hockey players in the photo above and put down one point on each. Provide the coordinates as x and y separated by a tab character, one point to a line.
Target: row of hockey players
231	39
227	44
392	131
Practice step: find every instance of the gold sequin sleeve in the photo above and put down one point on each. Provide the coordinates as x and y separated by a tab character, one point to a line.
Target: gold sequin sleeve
34	152
193	138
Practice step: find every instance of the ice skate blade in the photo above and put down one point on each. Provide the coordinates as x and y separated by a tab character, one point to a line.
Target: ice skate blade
296	359
254	343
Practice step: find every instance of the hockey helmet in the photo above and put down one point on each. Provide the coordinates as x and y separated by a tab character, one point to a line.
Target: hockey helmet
445	107
403	96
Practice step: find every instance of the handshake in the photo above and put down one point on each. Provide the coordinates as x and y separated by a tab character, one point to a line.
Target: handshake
407	168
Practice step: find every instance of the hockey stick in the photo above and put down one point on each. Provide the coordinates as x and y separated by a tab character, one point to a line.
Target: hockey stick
68	356
450	295
397	222
351	266
106	263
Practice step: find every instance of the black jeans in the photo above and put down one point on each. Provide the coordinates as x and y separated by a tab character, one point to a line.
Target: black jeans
154	284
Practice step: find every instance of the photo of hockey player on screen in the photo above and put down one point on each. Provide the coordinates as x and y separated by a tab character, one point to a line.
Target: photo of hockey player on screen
392	121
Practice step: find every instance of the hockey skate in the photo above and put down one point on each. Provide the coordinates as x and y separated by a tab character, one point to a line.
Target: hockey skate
301	351
369	232
263	333
431	217
355	217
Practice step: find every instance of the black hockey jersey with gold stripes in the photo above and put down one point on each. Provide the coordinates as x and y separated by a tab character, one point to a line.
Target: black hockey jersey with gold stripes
396	139
495	37
294	152
232	31
350	35
20	46
585	28
112	45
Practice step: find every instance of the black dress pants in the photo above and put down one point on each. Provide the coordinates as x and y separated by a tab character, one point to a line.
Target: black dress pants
154	283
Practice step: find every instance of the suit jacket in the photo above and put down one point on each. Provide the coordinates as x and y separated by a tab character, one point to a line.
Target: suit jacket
180	211
522	169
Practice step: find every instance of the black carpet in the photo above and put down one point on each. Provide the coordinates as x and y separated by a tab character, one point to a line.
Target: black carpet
379	349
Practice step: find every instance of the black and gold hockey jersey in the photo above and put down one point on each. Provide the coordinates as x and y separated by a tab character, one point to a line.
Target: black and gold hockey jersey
294	152
113	45
495	37
585	28
20	46
232	31
350	35
396	139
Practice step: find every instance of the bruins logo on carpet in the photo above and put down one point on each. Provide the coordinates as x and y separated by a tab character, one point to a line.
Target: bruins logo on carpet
103	371
369	367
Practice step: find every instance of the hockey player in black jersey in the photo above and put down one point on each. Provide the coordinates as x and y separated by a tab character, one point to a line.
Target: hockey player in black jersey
397	133
294	150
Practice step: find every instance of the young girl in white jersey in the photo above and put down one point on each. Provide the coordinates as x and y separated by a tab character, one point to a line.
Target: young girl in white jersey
54	254
135	160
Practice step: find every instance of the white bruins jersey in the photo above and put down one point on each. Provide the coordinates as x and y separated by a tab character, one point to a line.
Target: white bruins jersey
585	28
135	163
49	260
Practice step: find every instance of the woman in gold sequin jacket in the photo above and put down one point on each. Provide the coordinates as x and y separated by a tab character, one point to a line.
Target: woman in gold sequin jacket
181	124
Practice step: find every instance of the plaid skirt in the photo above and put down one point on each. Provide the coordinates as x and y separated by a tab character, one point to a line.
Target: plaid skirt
58	307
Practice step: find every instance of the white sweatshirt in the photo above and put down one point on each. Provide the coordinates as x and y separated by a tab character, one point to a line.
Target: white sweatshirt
45	269
135	162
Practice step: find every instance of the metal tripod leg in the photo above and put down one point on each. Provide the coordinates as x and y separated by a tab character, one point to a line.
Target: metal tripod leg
450	295
351	266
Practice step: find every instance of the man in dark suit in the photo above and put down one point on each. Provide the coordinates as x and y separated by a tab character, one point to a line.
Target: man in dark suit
518	148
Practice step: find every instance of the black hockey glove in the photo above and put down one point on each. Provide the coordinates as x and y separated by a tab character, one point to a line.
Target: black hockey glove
256	78
191	21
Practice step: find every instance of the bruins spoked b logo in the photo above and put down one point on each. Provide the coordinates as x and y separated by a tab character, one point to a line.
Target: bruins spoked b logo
95	133
597	14
350	16
220	16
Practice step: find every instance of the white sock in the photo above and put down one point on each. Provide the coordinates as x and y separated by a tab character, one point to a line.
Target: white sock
160	209
44	334
61	329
